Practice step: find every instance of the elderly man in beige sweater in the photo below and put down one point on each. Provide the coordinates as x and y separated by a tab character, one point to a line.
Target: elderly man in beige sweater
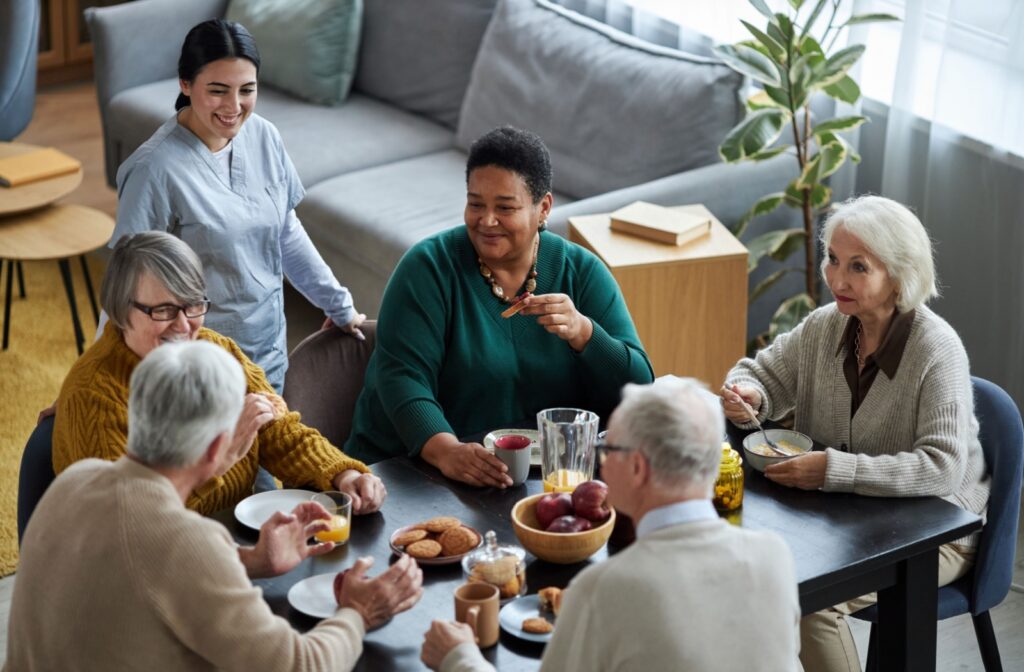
691	587
116	574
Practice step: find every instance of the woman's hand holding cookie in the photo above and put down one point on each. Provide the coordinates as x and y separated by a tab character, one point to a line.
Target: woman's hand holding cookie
558	315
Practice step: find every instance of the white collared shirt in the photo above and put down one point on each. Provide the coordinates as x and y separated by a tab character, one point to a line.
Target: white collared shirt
679	513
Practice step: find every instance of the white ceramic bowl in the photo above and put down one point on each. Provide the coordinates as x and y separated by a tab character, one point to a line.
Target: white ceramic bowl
758	461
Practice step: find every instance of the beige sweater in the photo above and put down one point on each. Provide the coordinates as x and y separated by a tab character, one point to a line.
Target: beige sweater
116	574
696	596
913	435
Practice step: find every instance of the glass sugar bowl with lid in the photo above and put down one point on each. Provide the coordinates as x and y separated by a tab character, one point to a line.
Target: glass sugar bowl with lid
501	565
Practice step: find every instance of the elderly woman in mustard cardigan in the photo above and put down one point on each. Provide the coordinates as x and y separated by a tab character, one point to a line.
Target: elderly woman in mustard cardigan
880	379
155	293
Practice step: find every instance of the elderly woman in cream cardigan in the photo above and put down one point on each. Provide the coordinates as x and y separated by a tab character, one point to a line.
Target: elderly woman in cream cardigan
882	381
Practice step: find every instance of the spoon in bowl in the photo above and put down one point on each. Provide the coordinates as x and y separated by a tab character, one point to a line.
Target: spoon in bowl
753	417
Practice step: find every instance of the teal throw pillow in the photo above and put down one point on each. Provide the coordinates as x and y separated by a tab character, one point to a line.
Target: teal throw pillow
308	47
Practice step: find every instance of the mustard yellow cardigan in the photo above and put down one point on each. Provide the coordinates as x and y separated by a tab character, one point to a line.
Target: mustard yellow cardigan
92	421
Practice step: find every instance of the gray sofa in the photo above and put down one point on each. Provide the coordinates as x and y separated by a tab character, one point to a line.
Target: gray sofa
624	120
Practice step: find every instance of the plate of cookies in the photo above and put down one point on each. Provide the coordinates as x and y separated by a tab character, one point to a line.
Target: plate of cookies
442	540
532	617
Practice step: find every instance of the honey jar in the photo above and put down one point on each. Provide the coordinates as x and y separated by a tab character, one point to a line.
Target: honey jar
728	494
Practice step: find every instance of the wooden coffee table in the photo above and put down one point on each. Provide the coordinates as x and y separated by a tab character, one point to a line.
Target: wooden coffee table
34	194
54	232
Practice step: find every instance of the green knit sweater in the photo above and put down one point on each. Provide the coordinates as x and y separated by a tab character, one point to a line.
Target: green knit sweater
446	361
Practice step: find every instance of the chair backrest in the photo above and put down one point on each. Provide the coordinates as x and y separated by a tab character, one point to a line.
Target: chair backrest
36	472
19	39
1002	440
324	379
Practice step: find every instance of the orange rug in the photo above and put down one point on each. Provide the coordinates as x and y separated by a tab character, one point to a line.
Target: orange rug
41	350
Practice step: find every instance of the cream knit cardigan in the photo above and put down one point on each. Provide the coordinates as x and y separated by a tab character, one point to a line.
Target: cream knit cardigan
914	435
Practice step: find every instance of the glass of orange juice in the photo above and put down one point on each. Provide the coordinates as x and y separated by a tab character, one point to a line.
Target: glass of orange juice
567	438
339	505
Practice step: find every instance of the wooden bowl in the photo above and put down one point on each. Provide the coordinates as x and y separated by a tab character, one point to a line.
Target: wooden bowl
563	549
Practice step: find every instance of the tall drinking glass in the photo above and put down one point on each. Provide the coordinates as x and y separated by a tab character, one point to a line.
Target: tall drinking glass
567	437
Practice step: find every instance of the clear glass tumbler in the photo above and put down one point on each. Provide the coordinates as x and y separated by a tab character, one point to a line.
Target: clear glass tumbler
567	438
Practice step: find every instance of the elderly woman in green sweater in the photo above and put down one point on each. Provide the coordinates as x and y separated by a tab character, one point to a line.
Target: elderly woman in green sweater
880	379
449	365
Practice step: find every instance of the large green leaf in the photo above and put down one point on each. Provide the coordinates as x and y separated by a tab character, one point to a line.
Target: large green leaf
777	51
776	244
769	153
812	18
810	174
786	26
839	124
832	157
770	282
761	100
762	6
800	76
750	62
796	4
809	45
827	138
820	195
870	18
845	90
836	67
763	206
779	95
758	130
790	313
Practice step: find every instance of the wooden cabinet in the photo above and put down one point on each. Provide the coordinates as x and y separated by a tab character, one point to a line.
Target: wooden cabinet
689	303
65	50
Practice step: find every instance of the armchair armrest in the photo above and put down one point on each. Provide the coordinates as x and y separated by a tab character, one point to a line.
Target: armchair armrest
728	191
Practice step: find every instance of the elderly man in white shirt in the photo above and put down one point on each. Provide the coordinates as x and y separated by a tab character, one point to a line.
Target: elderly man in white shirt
691	586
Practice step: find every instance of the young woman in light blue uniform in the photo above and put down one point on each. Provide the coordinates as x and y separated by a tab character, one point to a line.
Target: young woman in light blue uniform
217	176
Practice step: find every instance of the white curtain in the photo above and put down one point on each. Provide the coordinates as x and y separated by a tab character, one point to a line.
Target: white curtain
953	147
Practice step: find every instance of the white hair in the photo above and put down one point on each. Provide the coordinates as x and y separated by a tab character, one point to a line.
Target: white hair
897	237
183	396
677	423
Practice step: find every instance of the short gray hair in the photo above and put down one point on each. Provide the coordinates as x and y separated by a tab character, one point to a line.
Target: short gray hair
183	396
678	425
168	259
897	237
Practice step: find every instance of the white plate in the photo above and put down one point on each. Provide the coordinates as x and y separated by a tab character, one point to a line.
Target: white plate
531	434
314	596
257	509
515	612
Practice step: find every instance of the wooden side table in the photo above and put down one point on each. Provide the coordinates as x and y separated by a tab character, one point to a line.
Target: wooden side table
34	194
55	232
689	303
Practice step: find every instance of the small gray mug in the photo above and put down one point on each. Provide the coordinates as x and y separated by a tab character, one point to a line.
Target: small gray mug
514	451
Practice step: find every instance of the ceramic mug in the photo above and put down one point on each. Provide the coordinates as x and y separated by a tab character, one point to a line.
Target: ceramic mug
514	451
476	605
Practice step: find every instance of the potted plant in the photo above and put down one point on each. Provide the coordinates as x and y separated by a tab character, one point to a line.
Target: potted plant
793	59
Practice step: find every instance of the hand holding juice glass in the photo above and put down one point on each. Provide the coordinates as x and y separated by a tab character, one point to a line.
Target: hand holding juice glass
339	505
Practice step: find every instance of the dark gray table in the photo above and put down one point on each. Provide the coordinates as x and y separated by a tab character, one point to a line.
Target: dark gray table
844	546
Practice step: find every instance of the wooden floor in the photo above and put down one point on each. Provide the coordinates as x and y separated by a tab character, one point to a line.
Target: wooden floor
68	118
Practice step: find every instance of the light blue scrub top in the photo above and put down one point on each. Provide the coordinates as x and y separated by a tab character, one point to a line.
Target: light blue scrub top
173	183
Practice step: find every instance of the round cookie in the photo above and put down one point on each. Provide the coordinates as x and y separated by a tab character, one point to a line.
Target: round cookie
424	548
440	524
408	537
457	540
537	626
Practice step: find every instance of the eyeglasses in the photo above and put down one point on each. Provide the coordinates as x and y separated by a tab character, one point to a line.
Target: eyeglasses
603	448
167	312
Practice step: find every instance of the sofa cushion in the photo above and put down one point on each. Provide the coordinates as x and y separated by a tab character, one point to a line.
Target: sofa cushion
418	54
309	47
613	110
322	141
371	217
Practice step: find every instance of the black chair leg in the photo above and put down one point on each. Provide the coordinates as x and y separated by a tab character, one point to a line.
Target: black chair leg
872	665
88	288
7	303
69	288
987	642
21	281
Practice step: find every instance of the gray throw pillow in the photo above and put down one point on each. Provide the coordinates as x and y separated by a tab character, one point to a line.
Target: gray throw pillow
308	47
614	110
417	54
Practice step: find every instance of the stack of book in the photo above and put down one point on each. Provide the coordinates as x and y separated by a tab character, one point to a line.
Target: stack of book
40	164
664	225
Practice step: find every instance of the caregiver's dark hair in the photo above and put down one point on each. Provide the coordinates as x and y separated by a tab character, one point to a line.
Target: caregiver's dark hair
211	41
